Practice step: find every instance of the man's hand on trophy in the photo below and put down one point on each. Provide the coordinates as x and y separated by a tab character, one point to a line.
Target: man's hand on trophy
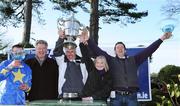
61	33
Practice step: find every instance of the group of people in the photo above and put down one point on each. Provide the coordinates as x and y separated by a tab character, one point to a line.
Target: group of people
69	76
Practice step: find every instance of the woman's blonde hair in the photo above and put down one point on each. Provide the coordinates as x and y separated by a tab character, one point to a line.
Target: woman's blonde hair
106	67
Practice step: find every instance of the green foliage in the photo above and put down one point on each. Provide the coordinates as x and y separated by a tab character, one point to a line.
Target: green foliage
111	11
67	6
154	75
173	90
171	8
166	87
169	76
3	57
165	95
169	73
12	12
120	12
2	45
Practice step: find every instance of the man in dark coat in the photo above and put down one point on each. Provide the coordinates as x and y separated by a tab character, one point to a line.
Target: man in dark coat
44	74
125	69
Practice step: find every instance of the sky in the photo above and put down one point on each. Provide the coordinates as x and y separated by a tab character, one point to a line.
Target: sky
142	33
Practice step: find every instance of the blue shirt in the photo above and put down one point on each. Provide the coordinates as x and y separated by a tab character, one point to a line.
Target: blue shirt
10	81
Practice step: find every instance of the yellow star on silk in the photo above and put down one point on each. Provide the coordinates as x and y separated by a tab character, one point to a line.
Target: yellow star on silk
18	76
4	71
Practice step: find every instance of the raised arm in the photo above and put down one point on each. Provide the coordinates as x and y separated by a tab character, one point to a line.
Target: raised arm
58	50
96	50
86	57
143	55
92	45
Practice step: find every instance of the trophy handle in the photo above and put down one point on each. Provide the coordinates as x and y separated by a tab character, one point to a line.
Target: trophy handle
82	26
60	23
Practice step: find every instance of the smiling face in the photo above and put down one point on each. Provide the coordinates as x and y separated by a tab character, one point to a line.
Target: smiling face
41	50
120	50
70	53
99	64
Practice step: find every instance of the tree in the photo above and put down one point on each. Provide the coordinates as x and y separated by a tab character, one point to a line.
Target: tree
16	12
111	11
94	20
27	23
169	76
165	87
2	44
171	8
168	73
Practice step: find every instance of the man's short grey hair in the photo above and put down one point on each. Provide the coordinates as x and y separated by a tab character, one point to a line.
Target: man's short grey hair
41	42
66	49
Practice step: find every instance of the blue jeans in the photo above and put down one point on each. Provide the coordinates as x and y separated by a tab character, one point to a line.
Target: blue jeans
124	100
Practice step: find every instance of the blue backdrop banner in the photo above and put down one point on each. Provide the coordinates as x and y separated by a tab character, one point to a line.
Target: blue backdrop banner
144	93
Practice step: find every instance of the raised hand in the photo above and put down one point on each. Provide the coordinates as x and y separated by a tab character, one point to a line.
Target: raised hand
61	33
84	36
166	35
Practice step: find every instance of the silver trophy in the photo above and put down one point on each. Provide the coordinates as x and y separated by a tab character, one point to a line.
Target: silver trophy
72	28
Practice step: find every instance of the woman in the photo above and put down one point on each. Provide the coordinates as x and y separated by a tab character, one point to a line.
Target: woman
98	85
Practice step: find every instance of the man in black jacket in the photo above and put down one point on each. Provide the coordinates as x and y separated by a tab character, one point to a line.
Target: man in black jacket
125	69
44	74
